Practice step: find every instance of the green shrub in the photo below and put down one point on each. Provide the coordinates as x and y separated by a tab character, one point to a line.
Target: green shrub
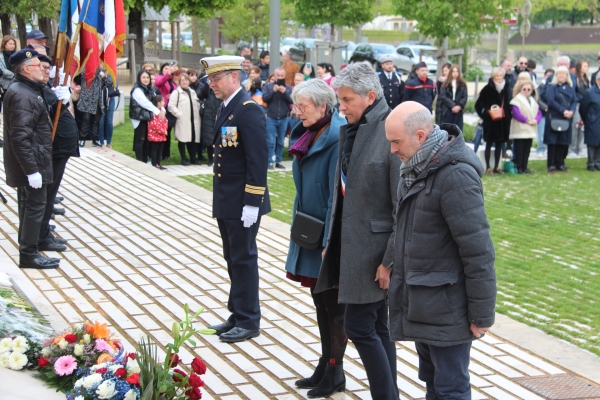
472	73
470	107
468	132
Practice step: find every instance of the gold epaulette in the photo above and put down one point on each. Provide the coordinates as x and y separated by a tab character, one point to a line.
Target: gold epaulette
249	102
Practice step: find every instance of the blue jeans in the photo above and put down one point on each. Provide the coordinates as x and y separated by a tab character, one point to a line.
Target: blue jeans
106	123
445	370
478	137
541	147
276	135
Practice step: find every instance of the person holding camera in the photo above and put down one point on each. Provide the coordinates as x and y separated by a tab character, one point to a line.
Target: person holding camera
278	97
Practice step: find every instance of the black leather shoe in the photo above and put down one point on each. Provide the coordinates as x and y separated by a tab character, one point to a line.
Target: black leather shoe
96	143
563	168
280	166
222	328
52	227
238	334
196	162
51	246
52	216
333	381
185	162
58	211
58	199
57	239
37	261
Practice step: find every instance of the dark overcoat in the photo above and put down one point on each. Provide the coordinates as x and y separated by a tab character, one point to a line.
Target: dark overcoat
361	231
494	131
589	109
559	97
314	179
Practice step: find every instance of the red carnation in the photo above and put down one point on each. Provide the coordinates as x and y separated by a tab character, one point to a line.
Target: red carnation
173	359
195	381
43	362
121	373
131	356
194	393
198	366
178	374
134	379
101	371
71	338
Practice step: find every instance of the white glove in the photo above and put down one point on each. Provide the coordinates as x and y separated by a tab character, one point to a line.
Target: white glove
52	72
61	78
249	215
35	180
63	93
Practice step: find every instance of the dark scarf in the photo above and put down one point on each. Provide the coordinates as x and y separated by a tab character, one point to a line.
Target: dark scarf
7	55
351	131
302	145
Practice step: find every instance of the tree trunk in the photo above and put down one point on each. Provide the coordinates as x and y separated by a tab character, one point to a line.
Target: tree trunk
46	27
255	47
22	31
136	27
196	36
6	25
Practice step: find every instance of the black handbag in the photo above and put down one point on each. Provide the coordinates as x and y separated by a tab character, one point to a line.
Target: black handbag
307	231
559	125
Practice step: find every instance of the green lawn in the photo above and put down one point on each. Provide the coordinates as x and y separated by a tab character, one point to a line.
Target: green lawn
545	47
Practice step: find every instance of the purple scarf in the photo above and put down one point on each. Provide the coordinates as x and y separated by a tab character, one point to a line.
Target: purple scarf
300	148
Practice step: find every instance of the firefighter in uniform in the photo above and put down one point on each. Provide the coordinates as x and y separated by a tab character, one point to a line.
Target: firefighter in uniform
391	83
240	194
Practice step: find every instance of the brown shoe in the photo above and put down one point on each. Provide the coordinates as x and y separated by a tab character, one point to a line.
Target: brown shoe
499	172
489	171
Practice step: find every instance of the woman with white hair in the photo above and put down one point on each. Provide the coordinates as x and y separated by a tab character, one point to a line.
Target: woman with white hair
495	96
561	98
315	152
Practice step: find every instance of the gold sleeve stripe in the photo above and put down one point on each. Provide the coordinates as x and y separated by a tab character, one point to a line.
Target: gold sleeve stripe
255	187
249	102
259	192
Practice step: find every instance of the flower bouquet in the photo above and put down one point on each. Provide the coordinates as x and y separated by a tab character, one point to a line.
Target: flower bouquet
115	380
65	357
162	380
19	352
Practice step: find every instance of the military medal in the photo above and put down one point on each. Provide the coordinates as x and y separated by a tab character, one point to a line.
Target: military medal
224	136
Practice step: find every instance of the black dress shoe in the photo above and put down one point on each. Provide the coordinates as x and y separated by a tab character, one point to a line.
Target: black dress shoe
196	162
238	334
51	246
52	216
563	168
58	199
57	239
96	143
58	211
51	227
279	165
36	261
222	328
185	162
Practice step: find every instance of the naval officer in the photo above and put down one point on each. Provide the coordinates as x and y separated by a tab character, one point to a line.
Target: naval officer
391	83
240	194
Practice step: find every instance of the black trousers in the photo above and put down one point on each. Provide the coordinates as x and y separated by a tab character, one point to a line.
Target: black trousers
191	148
140	142
557	153
445	370
58	171
156	149
91	121
166	153
497	153
522	149
32	203
241	254
367	327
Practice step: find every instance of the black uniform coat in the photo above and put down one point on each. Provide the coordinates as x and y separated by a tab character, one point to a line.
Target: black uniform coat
419	91
240	172
393	89
590	113
66	139
560	98
494	131
27	132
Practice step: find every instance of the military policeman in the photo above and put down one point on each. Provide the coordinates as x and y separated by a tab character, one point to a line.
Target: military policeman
420	88
391	83
240	194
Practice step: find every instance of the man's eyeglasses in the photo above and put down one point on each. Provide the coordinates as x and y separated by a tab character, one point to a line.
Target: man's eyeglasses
300	109
45	68
215	80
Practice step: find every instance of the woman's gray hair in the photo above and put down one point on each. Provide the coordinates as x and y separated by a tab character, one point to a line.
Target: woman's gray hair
318	92
495	70
361	78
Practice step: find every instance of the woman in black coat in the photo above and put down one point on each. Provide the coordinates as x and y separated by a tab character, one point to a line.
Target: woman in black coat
210	105
561	97
589	109
453	98
495	93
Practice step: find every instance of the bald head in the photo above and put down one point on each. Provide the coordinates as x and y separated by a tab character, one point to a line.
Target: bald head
407	128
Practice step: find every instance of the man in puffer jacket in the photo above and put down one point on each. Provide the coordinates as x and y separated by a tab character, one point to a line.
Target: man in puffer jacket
443	287
28	152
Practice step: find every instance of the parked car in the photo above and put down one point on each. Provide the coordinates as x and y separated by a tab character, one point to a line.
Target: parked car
298	49
410	52
372	52
351	48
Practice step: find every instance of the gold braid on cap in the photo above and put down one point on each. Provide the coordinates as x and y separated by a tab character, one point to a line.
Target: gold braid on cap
215	69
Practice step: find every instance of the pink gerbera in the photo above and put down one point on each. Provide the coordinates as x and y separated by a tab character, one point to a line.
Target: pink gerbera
65	365
102	346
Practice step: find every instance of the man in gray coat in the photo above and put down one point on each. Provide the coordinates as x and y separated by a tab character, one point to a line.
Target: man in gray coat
443	287
359	250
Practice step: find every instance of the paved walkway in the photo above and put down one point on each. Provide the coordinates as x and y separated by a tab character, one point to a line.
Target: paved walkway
142	243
